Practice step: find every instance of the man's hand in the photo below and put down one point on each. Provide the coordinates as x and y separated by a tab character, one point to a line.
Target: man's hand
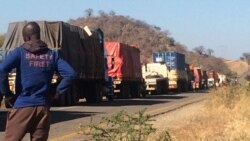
56	96
9	100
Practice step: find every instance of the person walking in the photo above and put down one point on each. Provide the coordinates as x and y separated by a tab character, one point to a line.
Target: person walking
35	65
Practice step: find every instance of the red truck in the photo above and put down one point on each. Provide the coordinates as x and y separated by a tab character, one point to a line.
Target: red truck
197	77
124	67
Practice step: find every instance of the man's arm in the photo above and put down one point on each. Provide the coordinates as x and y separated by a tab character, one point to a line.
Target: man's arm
11	62
67	73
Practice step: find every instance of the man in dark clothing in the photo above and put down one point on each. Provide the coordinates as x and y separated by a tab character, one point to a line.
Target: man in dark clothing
35	65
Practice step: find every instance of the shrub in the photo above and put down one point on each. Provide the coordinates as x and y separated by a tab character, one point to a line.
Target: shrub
123	127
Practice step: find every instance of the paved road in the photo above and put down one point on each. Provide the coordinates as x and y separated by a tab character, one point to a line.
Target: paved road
66	120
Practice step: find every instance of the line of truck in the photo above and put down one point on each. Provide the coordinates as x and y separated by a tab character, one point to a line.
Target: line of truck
181	77
110	68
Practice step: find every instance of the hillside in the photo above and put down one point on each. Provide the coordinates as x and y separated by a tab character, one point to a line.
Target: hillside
238	66
149	38
130	31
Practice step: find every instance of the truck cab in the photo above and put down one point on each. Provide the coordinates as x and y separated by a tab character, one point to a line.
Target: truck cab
156	78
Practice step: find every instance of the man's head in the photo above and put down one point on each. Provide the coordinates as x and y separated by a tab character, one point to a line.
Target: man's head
31	31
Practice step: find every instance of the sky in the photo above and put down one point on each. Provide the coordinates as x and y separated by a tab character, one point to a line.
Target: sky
221	25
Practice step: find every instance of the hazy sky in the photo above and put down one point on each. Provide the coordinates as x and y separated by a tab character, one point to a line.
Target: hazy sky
221	25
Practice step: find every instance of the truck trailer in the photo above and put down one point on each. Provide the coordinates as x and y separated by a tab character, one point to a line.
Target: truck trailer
82	48
178	79
124	67
197	81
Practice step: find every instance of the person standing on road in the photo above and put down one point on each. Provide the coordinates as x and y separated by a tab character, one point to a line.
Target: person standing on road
35	65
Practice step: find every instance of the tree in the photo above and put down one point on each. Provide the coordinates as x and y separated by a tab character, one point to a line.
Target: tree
200	50
89	12
112	13
210	51
246	57
102	13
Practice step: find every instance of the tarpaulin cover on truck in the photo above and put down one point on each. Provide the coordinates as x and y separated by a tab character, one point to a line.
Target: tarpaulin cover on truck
123	60
83	52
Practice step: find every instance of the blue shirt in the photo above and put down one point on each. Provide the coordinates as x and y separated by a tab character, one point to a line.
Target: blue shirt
34	72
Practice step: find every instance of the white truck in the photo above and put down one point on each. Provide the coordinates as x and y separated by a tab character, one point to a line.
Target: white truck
156	78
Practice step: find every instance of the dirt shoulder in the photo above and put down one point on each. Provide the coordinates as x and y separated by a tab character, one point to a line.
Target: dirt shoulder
177	118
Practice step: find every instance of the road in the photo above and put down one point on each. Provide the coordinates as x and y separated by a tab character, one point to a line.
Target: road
66	120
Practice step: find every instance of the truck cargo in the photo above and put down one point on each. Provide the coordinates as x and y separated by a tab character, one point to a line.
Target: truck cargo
124	67
190	76
156	78
178	79
197	82
82	48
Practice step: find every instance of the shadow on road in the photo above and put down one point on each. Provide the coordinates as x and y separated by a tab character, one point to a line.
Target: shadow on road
60	116
148	100
124	102
56	116
164	97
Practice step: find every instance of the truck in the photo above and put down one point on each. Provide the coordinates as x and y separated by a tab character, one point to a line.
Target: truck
213	79
204	82
156	78
190	76
124	67
82	48
197	81
222	79
177	76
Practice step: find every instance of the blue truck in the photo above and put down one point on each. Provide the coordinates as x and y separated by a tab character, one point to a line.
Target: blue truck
175	62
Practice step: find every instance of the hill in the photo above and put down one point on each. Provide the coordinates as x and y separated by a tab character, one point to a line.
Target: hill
238	66
148	38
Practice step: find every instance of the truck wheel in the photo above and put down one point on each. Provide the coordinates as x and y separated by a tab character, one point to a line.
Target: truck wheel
158	88
94	93
98	92
74	95
125	91
62	100
135	90
90	92
179	87
68	98
110	97
164	87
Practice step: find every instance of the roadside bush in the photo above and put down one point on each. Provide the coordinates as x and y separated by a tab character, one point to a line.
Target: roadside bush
226	116
123	127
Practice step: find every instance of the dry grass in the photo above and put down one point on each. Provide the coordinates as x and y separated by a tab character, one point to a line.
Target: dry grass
226	117
236	64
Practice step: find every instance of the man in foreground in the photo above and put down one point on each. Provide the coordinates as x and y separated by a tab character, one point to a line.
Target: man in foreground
35	65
